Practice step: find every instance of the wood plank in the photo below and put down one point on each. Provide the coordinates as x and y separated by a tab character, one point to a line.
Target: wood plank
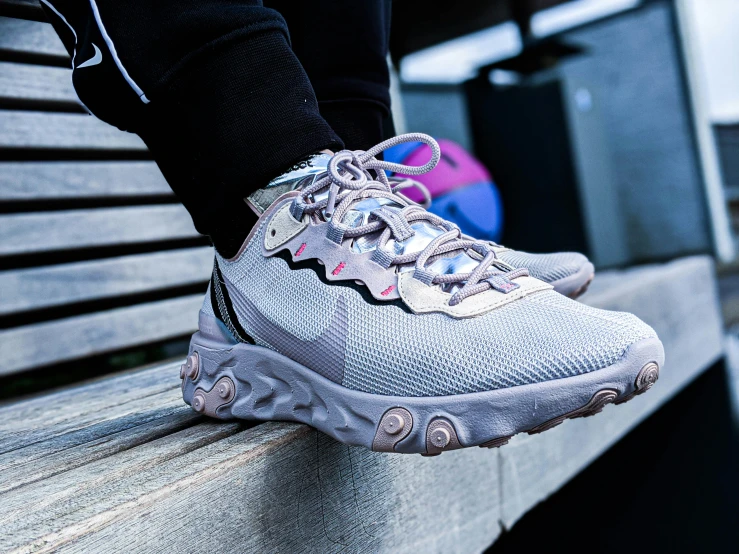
30	37
58	456
327	498
38	420
43	287
29	9
108	413
690	327
28	82
172	448
71	229
67	180
62	131
284	487
76	337
89	427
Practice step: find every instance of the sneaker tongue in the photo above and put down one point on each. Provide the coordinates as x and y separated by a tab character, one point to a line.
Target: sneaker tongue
293	178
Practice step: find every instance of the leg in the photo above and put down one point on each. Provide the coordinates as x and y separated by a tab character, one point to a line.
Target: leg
343	47
211	86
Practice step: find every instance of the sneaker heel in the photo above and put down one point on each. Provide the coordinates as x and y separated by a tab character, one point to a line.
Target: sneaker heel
208	383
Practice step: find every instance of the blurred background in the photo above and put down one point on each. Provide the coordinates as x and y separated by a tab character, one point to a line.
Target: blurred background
612	121
609	127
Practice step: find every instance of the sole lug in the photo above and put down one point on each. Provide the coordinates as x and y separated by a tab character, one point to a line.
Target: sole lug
441	436
596	404
208	402
496	443
645	380
395	425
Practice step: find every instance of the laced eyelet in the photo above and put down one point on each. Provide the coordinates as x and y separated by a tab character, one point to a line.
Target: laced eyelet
351	177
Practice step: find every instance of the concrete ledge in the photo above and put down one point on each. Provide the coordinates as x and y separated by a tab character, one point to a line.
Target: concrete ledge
121	465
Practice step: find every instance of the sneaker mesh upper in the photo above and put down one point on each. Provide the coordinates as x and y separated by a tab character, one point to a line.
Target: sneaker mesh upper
207	308
547	267
390	351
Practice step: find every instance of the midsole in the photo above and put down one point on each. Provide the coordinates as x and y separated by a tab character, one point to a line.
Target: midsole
271	386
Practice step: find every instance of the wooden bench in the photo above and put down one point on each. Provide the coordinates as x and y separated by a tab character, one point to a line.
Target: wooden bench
98	258
98	255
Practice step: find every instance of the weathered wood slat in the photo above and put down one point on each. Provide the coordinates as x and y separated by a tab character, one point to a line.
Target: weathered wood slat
66	431
304	491
30	37
30	9
76	337
68	180
56	457
64	230
25	129
690	327
43	287
171	450
283	487
36	420
62	435
24	82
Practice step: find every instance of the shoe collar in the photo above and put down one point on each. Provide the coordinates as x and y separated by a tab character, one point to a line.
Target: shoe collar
300	175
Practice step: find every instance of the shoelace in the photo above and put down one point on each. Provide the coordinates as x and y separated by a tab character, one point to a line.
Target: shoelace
400	184
349	180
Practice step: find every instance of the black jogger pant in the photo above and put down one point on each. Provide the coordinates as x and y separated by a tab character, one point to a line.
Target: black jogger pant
227	94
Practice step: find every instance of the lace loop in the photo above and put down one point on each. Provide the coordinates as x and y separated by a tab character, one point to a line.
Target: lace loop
402	184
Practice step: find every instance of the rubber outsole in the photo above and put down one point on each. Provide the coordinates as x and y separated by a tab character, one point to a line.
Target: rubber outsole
228	380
